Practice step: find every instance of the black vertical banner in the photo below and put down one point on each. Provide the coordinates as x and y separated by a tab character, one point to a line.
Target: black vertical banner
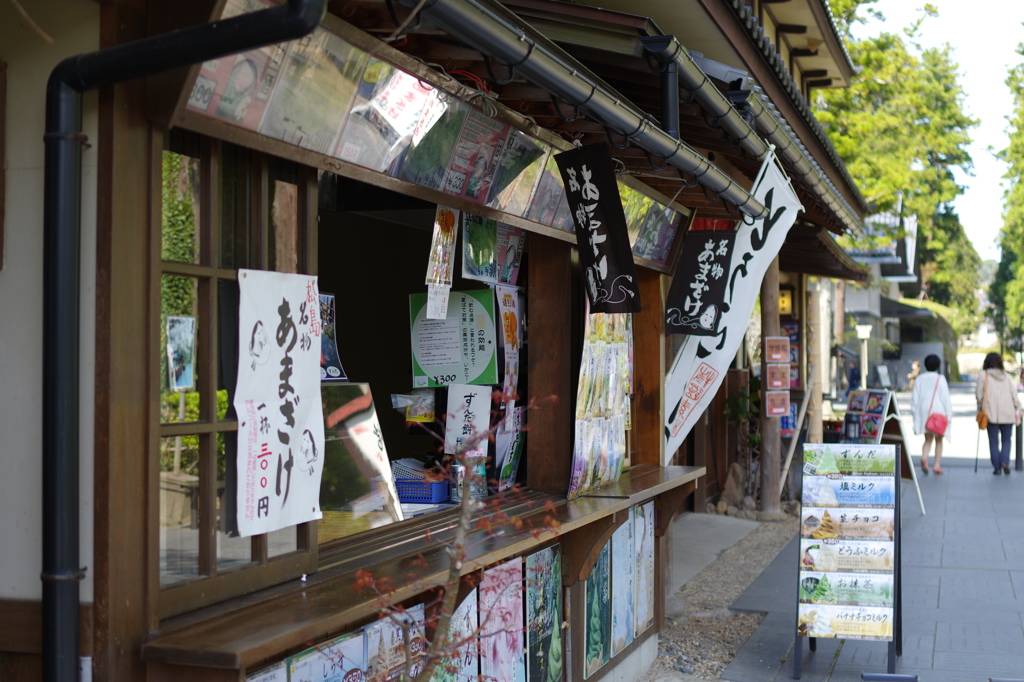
696	299
593	195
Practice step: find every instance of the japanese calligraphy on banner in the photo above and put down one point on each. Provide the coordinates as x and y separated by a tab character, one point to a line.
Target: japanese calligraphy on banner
601	232
277	399
696	298
699	367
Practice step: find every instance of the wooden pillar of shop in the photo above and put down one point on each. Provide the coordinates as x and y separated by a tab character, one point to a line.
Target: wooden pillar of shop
771	436
551	392
648	432
815	370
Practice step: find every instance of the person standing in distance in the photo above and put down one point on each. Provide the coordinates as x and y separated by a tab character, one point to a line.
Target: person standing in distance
996	393
931	394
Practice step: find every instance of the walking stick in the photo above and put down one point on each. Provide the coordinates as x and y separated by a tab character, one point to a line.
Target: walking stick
977	443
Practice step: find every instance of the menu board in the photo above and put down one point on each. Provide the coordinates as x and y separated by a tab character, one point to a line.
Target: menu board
459	348
849	538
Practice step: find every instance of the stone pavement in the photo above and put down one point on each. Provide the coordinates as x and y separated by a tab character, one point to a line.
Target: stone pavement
963	581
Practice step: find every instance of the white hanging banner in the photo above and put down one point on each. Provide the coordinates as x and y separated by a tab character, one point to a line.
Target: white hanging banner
277	400
699	367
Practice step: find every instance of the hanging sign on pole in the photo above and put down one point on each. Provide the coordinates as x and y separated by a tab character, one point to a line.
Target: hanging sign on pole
699	367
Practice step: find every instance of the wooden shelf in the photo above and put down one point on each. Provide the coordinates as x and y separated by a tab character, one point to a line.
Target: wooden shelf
246	633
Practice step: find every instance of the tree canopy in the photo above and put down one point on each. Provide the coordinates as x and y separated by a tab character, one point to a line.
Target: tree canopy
1006	293
901	129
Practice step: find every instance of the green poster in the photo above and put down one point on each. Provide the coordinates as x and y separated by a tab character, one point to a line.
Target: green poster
459	349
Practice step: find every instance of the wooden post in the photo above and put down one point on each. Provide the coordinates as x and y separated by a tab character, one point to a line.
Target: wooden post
771	436
815	370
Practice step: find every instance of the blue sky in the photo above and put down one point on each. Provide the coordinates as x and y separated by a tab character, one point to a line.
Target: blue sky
984	46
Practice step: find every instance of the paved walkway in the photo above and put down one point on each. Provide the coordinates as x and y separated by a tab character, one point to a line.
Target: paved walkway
963	581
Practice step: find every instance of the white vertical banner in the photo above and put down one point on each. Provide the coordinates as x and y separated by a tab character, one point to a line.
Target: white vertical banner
700	366
277	400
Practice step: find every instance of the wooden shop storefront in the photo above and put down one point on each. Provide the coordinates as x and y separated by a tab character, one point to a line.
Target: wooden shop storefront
318	157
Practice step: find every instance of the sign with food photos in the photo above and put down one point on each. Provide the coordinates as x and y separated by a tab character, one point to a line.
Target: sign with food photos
849	529
869	409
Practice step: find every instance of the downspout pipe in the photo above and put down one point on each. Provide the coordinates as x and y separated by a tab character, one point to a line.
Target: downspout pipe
666	49
61	243
669	74
495	31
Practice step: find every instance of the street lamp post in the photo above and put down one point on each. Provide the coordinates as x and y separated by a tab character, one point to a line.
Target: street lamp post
863	333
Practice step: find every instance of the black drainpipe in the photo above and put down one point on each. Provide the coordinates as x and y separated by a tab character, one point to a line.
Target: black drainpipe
659	47
61	229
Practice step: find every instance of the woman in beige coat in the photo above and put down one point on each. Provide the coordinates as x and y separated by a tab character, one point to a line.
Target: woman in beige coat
996	393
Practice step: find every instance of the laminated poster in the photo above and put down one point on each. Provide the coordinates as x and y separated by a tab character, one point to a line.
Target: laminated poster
550	194
658	233
338	660
517	174
463	665
479	248
544	615
778	376
856	402
476	157
181	352
776	403
385	646
467	420
819	523
390	108
862	589
508	309
280	418
275	673
847	555
598	621
236	88
776	348
849	458
643	539
847	622
623	598
508	446
330	359
511	242
501	623
442	246
425	162
846	491
461	347
317	84
357	473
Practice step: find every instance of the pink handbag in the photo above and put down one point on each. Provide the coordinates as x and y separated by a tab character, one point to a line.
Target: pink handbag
937	422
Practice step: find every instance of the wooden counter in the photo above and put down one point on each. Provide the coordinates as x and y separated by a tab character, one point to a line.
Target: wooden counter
244	633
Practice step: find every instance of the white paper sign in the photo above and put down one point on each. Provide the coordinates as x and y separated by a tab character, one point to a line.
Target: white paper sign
699	367
468	419
277	399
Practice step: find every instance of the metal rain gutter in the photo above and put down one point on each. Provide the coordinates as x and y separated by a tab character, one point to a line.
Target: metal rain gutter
668	50
497	32
61	267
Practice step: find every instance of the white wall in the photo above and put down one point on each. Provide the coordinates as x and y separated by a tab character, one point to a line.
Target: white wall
74	26
862	298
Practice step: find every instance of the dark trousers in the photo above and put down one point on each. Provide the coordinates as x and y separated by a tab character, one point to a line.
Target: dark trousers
999	444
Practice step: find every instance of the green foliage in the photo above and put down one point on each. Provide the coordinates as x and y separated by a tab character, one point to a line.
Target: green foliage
951	271
1006	293
170	407
901	129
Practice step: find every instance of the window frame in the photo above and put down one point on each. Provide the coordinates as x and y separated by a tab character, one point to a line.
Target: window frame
263	571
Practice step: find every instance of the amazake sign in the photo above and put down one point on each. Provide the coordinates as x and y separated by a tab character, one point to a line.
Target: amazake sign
699	367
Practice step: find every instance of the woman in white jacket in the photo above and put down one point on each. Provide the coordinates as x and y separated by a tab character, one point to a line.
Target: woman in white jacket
996	393
930	395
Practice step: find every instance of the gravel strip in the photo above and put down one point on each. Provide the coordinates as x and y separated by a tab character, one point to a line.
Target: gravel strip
699	644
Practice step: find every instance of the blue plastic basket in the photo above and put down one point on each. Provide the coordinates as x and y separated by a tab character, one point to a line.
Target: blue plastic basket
412	490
